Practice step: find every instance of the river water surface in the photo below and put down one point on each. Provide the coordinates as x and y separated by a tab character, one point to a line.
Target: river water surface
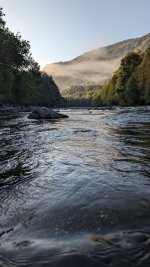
76	192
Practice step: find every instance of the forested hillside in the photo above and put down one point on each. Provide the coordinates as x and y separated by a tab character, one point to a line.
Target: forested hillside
94	67
21	81
81	95
130	85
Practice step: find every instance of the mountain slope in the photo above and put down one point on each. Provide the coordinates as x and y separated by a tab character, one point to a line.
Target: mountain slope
94	67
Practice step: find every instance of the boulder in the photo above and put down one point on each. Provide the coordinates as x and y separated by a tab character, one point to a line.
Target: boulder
45	113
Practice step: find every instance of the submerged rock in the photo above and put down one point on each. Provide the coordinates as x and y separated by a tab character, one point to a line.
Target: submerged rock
45	113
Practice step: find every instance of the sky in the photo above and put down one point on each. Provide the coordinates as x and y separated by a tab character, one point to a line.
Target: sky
60	30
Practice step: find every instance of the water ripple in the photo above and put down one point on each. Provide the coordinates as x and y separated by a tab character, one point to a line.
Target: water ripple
69	190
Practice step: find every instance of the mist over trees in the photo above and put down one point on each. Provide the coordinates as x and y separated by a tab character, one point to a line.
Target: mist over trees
94	67
129	86
21	81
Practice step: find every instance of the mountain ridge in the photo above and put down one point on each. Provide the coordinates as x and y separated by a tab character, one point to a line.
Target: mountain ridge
103	62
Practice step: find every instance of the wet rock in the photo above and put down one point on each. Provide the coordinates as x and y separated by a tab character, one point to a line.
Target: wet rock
34	116
45	113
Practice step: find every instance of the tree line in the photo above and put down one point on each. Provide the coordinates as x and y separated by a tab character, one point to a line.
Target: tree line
81	95
21	81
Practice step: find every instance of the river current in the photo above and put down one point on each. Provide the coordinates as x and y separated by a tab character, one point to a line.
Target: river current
76	192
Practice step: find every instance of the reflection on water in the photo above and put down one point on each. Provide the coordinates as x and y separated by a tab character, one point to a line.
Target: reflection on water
76	192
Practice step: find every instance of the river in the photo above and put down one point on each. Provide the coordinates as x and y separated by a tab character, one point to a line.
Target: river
76	192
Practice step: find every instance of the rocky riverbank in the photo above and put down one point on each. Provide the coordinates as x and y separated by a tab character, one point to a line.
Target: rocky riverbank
10	109
35	112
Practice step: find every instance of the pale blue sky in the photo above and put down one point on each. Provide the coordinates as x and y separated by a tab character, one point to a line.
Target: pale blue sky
63	29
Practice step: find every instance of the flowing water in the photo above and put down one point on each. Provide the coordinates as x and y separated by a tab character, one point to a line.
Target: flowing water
76	192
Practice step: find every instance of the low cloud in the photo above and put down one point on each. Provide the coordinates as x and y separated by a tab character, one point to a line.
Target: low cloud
91	68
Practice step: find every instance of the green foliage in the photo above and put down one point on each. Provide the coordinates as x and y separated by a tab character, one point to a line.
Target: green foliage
147	93
131	94
49	92
2	22
20	78
81	95
130	85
